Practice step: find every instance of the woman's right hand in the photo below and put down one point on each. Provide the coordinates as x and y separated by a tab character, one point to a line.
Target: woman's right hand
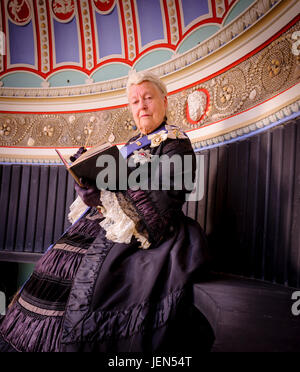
80	151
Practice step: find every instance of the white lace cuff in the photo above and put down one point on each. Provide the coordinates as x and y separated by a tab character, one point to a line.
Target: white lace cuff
77	208
118	225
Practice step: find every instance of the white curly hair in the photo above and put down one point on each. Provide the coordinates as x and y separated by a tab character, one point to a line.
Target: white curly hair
135	78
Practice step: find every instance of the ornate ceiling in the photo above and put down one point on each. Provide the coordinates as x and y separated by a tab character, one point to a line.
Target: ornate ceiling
68	42
232	68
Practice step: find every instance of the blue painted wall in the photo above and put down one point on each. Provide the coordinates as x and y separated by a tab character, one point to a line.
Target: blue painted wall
109	34
21	44
66	41
150	19
193	9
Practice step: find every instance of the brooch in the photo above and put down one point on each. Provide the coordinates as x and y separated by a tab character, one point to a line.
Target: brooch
141	156
137	140
158	138
175	132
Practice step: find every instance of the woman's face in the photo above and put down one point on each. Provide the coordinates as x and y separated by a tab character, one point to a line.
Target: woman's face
148	106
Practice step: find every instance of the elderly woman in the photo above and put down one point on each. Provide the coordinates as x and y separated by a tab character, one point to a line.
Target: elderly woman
120	280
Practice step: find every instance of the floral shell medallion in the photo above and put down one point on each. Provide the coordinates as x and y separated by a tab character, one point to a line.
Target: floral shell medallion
19	11
63	10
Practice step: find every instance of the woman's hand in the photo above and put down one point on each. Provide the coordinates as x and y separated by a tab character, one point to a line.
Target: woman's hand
89	193
80	151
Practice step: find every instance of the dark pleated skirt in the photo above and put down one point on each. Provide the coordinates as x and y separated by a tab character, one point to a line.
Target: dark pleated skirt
33	323
6	347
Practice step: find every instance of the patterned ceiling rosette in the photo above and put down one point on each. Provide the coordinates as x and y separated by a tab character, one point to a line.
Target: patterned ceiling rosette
47	130
89	130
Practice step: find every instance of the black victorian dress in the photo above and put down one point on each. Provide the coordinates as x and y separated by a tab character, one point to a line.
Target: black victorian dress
119	280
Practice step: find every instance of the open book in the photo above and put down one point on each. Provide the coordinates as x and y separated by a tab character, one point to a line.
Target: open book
88	165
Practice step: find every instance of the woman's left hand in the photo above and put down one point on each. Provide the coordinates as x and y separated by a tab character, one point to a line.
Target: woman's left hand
89	193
